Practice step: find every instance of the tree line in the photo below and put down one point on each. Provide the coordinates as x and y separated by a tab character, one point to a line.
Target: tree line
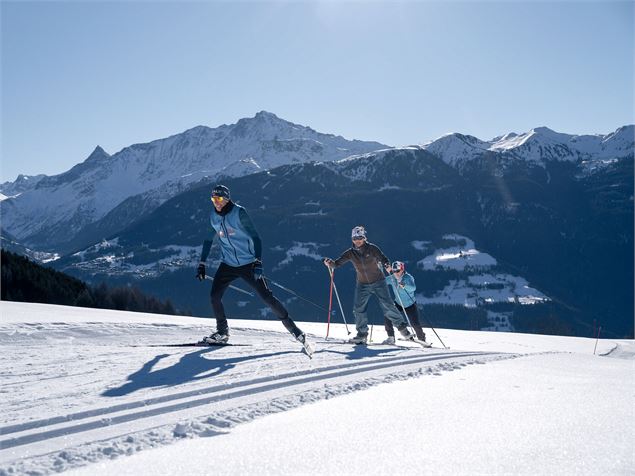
26	281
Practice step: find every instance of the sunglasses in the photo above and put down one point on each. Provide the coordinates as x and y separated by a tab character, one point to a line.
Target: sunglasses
358	238
217	198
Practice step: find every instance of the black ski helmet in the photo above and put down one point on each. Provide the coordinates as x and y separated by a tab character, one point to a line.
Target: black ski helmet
221	191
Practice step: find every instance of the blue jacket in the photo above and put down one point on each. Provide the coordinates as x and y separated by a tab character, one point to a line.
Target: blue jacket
407	293
239	241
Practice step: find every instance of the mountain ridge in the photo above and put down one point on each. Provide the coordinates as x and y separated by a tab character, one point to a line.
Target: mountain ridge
58	207
568	236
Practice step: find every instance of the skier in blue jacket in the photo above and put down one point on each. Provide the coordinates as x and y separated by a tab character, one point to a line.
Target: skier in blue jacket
241	257
403	288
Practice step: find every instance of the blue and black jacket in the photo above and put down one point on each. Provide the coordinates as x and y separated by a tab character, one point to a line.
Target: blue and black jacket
239	241
407	293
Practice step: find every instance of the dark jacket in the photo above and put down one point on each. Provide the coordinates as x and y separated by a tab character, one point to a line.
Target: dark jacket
365	260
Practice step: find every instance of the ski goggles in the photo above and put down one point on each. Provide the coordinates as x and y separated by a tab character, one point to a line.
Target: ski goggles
358	237
218	198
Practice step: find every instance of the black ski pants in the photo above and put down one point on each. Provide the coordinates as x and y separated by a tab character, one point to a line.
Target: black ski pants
225	274
413	316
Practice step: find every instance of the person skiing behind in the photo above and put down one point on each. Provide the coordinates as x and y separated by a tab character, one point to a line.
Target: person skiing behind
241	257
366	258
403	288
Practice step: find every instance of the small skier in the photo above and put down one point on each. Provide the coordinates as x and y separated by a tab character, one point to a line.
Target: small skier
241	257
403	288
367	259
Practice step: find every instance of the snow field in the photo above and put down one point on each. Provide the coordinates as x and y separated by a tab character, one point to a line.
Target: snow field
85	389
539	415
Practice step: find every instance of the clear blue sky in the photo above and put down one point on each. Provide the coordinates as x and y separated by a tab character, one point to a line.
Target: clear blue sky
75	75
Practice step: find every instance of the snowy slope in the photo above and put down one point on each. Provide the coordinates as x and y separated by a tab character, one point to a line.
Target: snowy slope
59	206
86	389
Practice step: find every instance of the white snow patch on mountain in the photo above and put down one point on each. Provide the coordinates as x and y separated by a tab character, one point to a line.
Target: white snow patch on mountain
420	245
241	167
97	247
478	287
456	148
304	249
361	167
460	257
388	186
511	289
318	213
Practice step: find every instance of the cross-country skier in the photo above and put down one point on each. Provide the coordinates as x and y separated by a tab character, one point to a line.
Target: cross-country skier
241	257
367	259
403	288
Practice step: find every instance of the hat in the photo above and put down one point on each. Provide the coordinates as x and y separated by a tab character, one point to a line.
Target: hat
221	191
358	232
398	266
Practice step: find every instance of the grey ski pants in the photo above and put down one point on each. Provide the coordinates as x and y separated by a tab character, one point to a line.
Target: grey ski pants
363	292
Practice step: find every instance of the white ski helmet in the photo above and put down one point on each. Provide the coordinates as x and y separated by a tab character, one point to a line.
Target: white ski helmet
358	232
398	266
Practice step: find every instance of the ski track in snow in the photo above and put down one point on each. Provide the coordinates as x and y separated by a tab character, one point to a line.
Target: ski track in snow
109	393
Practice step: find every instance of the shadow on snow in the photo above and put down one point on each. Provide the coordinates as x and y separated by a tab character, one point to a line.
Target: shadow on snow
360	352
191	367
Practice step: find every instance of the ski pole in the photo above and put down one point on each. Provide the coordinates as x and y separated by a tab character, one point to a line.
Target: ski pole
295	294
403	309
235	288
596	340
428	321
328	319
340	304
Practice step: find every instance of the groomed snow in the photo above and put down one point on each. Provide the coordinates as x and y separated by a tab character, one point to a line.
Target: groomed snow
84	390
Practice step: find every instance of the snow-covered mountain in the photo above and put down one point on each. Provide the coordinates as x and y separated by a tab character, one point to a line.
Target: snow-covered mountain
537	146
534	221
106	392
105	193
20	185
58	207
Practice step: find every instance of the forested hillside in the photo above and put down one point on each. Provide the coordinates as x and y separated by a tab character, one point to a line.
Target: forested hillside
24	280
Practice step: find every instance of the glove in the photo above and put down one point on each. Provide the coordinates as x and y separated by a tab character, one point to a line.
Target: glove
258	272
329	263
200	271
